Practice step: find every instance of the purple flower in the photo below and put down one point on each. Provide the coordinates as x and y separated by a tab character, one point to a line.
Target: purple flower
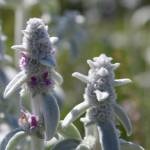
45	79
27	119
23	61
47	82
33	81
33	120
45	75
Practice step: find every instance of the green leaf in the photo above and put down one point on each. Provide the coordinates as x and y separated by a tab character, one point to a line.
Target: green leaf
68	144
12	139
51	115
108	136
129	145
82	147
17	81
123	117
69	132
57	77
75	113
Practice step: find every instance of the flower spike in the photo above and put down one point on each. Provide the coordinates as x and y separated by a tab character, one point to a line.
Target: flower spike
100	105
37	64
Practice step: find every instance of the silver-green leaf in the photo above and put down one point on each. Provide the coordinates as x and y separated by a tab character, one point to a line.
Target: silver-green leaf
70	132
51	115
57	77
123	117
125	145
108	136
13	85
68	144
75	113
12	138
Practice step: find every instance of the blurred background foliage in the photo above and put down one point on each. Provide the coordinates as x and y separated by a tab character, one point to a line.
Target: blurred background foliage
86	28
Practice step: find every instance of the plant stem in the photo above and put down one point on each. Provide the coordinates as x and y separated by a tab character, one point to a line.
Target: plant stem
37	144
92	130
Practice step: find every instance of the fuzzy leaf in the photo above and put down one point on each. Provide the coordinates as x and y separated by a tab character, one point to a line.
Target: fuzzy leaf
115	66
91	63
101	95
70	132
60	95
123	117
119	82
68	144
12	138
75	113
19	47
81	77
16	82
51	115
129	145
108	136
57	77
82	147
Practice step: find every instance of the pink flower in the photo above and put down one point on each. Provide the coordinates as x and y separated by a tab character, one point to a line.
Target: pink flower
45	79
33	120
23	60
26	118
33	81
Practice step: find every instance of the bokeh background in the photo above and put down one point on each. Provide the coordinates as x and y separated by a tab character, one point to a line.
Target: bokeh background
86	28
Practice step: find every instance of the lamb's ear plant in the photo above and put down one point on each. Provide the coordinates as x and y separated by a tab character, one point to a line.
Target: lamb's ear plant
101	108
38	78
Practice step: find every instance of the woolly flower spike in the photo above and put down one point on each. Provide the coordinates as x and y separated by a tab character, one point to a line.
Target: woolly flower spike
100	102
38	75
37	60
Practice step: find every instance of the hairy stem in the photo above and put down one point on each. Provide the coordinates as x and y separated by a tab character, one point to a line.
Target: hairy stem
37	144
91	130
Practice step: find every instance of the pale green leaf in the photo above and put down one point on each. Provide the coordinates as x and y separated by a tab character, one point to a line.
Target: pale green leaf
123	117
51	115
